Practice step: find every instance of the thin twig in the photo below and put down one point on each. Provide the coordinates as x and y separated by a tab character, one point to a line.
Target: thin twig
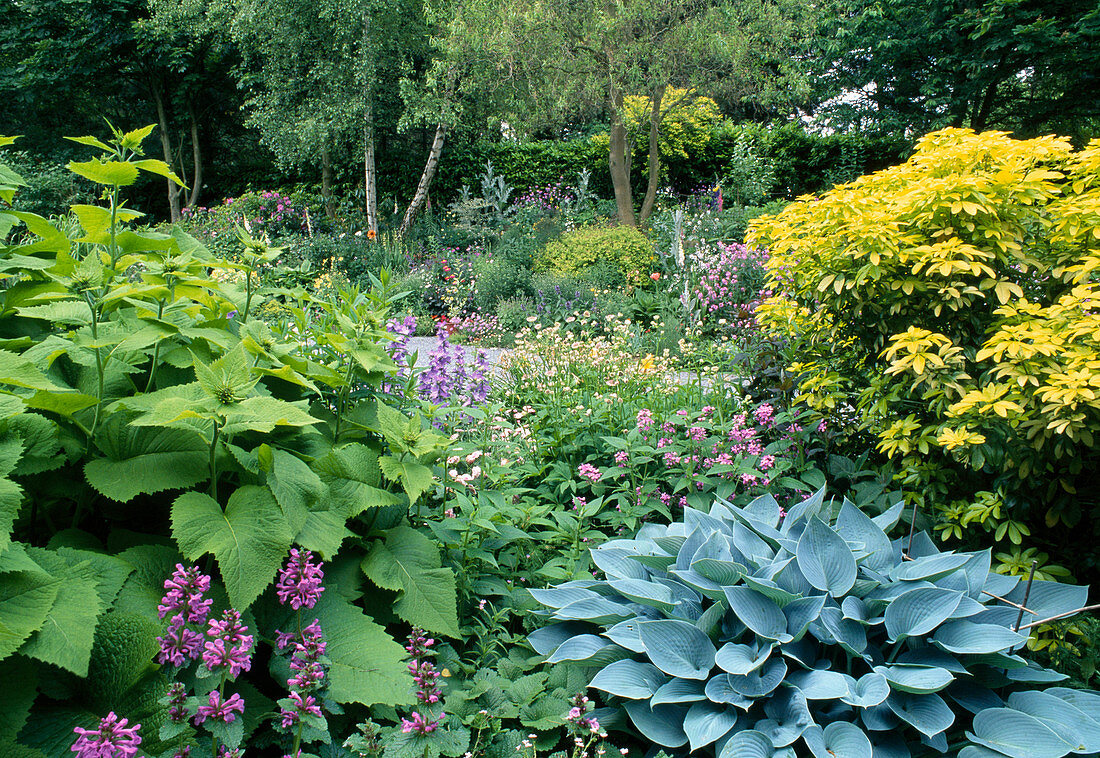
1006	600
1040	622
1027	594
912	528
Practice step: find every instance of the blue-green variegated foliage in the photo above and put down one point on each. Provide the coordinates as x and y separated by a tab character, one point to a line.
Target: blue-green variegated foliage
751	634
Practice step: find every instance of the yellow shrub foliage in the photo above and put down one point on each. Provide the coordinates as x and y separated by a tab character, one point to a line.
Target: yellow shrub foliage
624	247
951	305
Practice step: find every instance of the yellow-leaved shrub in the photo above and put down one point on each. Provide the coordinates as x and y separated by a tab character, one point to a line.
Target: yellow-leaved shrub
949	308
623	247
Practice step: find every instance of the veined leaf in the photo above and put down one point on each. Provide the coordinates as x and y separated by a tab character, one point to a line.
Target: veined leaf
825	559
249	538
408	562
367	665
25	601
68	631
15	701
414	477
110	173
145	460
19	372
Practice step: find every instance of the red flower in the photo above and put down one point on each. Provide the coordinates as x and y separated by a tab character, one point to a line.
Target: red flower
655	276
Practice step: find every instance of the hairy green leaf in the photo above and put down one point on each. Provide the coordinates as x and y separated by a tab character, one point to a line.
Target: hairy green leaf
409	562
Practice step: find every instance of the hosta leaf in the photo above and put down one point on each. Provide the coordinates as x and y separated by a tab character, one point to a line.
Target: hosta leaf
1017	735
788	717
645	593
761	681
678	648
928	714
559	597
706	722
758	613
918	612
1072	724
625	633
970	638
825	559
741	659
409	562
857	526
546	640
249	538
598	610
801	613
1048	599
839	738
146	460
915	679
748	744
820	685
721	572
929	567
869	690
679	691
1087	702
590	649
25	601
662	724
367	665
618	563
629	679
720	689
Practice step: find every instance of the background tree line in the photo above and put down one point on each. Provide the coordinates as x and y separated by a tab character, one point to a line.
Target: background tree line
374	100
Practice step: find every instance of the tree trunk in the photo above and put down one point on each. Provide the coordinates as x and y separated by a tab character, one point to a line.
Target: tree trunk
326	182
370	187
425	180
617	160
654	156
196	154
166	146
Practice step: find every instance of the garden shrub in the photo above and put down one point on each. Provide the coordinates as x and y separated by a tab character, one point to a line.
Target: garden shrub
949	306
499	279
754	631
624	247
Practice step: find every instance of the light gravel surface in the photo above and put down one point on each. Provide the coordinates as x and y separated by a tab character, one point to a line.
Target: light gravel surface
423	346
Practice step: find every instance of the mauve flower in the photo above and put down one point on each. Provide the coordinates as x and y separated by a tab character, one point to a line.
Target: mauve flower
228	645
300	582
184	604
113	739
220	710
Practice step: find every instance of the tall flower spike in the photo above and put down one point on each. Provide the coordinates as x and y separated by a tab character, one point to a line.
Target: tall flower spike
185	607
299	582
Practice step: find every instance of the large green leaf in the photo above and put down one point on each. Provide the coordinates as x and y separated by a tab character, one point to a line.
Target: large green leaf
25	601
249	538
353	475
677	648
825	559
146	460
367	665
11	496
263	414
68	631
408	562
1071	723
1017	735
108	173
19	372
414	477
295	485
20	680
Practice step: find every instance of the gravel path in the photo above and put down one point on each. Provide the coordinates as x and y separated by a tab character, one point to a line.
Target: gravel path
422	346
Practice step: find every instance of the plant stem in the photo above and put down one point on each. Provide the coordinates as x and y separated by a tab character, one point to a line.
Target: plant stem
214	460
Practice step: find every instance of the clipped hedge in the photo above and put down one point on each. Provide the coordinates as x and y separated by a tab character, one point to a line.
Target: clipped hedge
625	248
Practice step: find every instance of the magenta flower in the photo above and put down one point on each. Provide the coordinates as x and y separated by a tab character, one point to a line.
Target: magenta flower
589	472
113	739
301	706
220	710
228	646
419	725
300	581
184	604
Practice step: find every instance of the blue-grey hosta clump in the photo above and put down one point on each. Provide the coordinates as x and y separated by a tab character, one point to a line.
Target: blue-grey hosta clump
757	635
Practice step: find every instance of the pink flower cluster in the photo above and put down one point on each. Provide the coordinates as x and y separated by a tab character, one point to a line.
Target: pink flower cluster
113	739
299	586
183	603
426	679
589	472
299	583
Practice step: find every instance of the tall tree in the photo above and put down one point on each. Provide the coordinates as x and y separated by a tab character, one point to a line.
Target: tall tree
916	65
573	55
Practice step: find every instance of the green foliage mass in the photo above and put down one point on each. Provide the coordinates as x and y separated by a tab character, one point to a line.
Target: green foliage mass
148	416
750	631
624	248
950	301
